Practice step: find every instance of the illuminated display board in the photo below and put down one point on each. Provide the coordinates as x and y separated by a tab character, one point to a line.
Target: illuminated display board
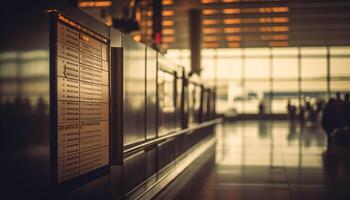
82	77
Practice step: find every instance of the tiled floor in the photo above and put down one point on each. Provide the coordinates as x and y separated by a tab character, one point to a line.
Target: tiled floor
270	160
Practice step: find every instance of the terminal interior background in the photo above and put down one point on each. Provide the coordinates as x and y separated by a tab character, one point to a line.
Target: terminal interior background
269	66
252	52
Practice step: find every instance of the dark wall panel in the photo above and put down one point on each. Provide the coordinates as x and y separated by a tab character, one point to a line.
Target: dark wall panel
133	171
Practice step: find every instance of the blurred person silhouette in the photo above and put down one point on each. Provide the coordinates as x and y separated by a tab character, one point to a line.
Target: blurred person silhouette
347	109
301	114
329	120
340	110
309	110
319	105
261	108
291	109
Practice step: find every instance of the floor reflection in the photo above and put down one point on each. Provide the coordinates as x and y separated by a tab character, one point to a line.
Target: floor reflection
270	143
272	160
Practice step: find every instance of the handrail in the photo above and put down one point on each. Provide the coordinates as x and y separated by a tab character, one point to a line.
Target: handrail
172	135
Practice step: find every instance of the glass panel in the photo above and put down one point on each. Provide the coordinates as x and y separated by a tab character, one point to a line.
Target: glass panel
134	91
166	103
185	52
222	102
255	93
285	68
229	68
314	89
208	70
282	92
151	93
8	70
340	68
235	98
173	53
257	68
257	52
180	56
340	50
229	52
34	68
313	68
313	51
340	86
285	51
208	53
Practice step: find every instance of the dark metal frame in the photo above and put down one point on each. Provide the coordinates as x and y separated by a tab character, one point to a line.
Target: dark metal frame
161	139
117	88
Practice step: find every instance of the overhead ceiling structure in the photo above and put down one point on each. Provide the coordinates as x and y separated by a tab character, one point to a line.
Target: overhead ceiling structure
244	23
259	23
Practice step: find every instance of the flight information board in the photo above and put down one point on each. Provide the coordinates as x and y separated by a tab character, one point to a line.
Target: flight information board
82	69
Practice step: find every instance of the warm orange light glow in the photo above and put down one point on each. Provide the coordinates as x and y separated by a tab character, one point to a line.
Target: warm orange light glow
230	1
168	12
233	38
165	46
149	13
274	37
280	20
280	9
137	38
274	9
211	30
109	21
278	44
210	21
280	29
167	2
208	1
231	11
211	38
265	20
210	44
149	23
232	21
138	16
210	11
233	44
274	29
168	31
168	39
167	23
232	30
85	4
255	10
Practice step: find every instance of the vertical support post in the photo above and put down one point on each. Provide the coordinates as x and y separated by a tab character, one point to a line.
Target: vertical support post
243	79
299	76
195	27
117	85
157	23
216	67
271	80
328	73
